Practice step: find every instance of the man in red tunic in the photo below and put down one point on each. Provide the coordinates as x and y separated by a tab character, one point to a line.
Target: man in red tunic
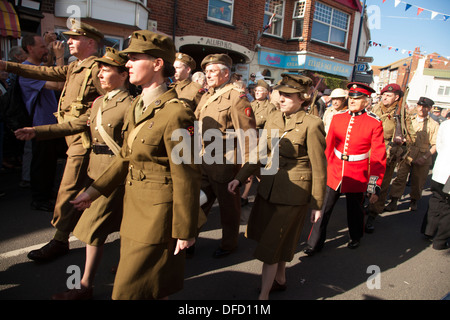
356	156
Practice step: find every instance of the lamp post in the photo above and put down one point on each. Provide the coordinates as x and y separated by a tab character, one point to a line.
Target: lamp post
359	39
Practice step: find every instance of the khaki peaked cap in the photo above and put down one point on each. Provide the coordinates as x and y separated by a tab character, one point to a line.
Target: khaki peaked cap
291	83
151	43
113	57
186	59
83	29
262	83
220	58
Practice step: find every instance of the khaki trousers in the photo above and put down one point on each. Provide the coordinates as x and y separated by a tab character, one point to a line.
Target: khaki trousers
378	207
418	178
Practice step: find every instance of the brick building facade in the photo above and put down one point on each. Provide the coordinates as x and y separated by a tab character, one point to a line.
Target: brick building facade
318	37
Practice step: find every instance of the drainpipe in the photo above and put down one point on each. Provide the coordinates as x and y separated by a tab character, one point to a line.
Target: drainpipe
175	7
359	38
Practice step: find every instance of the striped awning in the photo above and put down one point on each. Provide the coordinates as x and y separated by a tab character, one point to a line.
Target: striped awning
9	21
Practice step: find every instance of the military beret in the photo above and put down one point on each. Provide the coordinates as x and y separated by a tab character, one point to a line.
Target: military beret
83	29
262	83
221	58
358	89
291	83
423	101
113	58
186	59
394	88
151	43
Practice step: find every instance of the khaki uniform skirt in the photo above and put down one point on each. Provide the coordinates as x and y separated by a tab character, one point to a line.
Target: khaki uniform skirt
276	228
148	271
102	218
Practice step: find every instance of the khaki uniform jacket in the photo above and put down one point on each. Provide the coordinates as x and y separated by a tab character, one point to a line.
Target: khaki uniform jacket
73	75
426	135
113	118
161	197
230	111
190	92
302	174
261	109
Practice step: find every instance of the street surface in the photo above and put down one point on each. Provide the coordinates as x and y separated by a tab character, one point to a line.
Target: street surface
409	269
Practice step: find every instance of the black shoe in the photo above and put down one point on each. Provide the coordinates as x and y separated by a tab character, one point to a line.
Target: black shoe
392	206
353	244
43	206
49	252
244	202
309	251
220	253
413	205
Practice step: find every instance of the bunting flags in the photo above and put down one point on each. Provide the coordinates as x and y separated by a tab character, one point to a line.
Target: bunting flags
411	52
420	9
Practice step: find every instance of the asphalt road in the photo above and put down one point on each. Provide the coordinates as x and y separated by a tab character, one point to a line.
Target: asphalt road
409	269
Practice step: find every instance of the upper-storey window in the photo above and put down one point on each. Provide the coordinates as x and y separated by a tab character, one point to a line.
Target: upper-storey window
273	17
297	18
221	11
330	25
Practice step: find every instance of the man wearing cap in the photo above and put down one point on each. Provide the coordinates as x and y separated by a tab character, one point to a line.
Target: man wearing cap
356	157
389	112
223	108
261	105
338	102
189	91
81	88
418	158
436	114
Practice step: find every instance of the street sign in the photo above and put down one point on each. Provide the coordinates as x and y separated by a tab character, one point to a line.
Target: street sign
364	59
361	67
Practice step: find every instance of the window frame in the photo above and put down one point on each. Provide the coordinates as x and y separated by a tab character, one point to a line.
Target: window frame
211	18
296	18
278	17
330	26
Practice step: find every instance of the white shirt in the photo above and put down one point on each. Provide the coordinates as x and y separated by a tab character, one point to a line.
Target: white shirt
441	169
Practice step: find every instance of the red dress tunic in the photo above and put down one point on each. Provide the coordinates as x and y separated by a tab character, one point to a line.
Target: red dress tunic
357	137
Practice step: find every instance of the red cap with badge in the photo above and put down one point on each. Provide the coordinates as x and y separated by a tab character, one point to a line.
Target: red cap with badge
357	89
394	88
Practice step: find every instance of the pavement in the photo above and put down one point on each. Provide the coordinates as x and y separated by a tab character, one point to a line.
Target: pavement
393	263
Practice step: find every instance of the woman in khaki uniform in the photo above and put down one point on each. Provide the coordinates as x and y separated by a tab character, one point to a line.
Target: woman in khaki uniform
161	201
106	122
283	198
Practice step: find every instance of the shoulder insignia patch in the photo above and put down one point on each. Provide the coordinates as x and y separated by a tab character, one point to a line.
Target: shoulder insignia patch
248	111
190	130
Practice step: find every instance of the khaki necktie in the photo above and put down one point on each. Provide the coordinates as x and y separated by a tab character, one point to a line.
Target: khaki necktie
138	110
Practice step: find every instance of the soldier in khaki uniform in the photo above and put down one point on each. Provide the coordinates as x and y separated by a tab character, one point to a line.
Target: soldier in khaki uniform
224	107
187	90
261	105
388	112
162	193
81	88
106	122
419	156
284	198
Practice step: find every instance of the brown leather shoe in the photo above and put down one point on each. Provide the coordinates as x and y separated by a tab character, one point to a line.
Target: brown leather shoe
74	294
277	287
49	252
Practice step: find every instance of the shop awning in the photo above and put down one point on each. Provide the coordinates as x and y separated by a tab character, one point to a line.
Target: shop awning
9	21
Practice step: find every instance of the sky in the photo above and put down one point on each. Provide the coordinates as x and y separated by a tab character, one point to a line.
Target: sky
393	26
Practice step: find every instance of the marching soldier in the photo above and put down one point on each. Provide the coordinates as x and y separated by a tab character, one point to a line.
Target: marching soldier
81	88
388	112
418	158
224	107
356	157
187	90
261	105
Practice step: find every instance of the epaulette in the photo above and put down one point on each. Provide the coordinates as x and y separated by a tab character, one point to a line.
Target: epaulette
373	115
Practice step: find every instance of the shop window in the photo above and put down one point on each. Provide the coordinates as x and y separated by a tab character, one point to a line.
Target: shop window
221	11
330	25
297	19
274	10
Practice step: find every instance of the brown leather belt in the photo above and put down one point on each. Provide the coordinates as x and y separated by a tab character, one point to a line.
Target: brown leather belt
101	149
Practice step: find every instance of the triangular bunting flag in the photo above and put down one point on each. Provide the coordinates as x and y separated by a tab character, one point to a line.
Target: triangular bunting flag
397	2
433	15
445	17
419	10
407	6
